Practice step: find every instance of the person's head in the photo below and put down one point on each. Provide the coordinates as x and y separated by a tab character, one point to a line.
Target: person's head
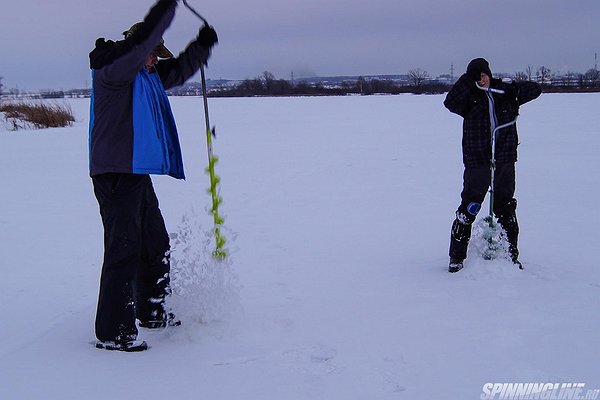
479	71
151	60
160	51
484	80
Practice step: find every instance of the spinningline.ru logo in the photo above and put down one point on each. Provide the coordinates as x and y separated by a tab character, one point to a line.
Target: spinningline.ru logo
538	391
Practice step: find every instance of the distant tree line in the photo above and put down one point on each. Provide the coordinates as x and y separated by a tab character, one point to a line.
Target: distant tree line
565	82
267	85
417	81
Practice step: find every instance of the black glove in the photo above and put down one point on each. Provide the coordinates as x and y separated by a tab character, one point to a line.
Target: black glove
474	74
512	90
207	36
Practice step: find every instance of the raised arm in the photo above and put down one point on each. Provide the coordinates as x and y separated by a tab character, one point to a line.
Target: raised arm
137	46
457	99
175	71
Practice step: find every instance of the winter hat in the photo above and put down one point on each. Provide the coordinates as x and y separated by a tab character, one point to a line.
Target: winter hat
160	50
477	66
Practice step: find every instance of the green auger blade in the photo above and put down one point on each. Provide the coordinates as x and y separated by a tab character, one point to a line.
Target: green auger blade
492	237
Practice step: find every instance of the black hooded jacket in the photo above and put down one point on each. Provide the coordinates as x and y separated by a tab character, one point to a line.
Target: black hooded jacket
472	103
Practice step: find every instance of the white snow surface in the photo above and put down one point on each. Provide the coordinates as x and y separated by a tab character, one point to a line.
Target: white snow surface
338	214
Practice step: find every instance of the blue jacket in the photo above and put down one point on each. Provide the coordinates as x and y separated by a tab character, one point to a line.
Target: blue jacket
132	129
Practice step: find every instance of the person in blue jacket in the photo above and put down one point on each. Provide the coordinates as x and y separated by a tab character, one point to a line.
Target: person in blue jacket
133	135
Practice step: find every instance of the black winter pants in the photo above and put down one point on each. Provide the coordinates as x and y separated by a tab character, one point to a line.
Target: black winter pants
135	271
476	182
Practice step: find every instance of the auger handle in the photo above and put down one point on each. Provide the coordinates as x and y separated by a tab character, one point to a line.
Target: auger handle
185	3
499	91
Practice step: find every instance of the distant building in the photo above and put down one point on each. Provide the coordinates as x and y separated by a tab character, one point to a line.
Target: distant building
52	95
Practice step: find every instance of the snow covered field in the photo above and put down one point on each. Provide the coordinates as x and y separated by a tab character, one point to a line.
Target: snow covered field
339	211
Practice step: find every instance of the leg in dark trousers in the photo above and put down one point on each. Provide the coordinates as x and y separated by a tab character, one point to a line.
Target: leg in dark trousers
152	283
505	205
476	181
129	209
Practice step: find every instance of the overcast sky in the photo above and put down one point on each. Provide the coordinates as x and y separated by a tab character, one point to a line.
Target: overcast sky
45	43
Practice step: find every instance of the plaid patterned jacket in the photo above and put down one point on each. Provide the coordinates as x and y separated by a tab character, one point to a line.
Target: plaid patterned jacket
471	103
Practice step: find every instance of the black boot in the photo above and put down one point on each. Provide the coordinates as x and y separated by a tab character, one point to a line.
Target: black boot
459	240
129	346
170	320
127	343
507	218
455	265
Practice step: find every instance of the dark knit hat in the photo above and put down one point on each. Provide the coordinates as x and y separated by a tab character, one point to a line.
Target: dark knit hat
160	50
477	66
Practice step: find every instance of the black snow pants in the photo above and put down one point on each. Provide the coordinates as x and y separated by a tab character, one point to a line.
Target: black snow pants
476	182
135	271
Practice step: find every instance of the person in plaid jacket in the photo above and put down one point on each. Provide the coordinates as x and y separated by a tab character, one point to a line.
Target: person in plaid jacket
482	111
